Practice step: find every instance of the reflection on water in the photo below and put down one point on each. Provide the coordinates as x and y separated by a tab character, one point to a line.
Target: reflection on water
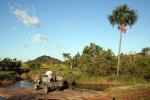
29	83
1	98
19	84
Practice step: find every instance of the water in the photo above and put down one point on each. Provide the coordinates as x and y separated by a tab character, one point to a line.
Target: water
1	98
19	84
29	83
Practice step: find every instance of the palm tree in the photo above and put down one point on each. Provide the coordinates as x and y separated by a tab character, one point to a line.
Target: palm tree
122	16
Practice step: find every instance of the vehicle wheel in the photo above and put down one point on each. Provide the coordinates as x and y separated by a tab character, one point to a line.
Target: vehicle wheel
57	88
46	89
35	86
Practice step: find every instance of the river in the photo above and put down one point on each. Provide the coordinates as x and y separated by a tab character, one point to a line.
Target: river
28	83
19	84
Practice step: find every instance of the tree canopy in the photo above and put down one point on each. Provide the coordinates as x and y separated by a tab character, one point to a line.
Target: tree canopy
123	16
97	61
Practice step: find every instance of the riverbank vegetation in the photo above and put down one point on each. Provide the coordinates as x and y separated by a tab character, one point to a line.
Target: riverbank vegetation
96	61
94	65
10	69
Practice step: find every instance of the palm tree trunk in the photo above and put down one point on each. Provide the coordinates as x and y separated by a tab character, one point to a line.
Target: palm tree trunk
120	43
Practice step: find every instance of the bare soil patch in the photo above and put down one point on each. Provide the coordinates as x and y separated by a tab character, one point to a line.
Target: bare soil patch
68	94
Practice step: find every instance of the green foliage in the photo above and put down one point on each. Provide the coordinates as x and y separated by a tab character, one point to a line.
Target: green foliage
46	59
9	69
41	63
34	66
8	75
97	62
66	55
24	76
145	51
71	76
94	61
130	79
123	15
10	65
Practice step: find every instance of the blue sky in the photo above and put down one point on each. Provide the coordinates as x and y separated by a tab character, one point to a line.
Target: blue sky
32	28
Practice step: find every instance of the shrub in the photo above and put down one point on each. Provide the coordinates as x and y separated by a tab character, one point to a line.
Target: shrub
24	76
8	75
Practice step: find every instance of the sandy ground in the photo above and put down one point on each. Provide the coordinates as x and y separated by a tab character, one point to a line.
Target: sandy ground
67	94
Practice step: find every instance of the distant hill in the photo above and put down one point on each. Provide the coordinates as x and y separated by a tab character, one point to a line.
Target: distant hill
46	60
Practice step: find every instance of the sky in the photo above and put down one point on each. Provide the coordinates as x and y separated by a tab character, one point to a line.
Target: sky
32	28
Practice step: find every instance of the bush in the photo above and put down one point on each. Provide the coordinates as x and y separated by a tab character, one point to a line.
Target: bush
71	76
8	75
130	79
24	76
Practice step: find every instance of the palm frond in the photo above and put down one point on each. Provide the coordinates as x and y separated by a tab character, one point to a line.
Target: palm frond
123	15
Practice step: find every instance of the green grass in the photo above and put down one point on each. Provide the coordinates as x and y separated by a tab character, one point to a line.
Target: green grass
24	76
82	77
132	92
8	75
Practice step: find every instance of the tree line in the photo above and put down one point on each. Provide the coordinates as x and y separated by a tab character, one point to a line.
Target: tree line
8	64
96	61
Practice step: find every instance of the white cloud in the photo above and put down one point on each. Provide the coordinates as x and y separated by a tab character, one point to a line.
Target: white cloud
39	39
24	17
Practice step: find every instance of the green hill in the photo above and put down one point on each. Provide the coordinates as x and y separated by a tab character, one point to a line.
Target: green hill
47	60
43	62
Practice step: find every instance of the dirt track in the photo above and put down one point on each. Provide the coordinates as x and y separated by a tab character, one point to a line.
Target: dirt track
68	94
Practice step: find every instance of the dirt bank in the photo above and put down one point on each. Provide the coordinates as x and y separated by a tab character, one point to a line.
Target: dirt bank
68	94
6	82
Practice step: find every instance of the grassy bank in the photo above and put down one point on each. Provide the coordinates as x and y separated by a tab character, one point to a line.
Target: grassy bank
83	78
7	77
132	92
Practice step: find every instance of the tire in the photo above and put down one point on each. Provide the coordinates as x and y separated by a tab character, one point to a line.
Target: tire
46	89
35	86
57	88
60	88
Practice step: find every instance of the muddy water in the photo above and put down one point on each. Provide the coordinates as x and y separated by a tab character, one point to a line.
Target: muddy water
29	83
19	84
1	98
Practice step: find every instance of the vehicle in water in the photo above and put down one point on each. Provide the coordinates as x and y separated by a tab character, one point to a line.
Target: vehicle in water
49	82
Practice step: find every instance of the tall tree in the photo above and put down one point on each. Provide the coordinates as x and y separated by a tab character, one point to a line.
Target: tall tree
146	51
68	57
122	16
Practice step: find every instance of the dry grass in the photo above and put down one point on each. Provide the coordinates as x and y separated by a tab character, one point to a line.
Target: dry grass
135	92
